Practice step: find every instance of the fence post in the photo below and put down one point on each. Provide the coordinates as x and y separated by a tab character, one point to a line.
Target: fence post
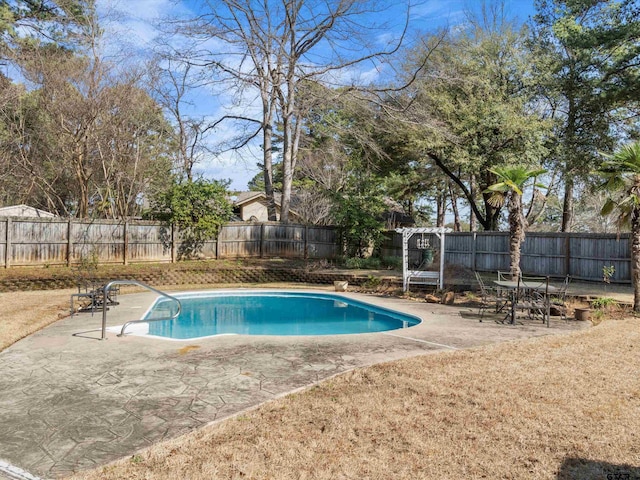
262	240
173	244
567	254
306	242
125	246
7	250
630	253
69	241
474	237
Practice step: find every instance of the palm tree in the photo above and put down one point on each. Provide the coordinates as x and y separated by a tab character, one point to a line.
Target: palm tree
508	190
621	173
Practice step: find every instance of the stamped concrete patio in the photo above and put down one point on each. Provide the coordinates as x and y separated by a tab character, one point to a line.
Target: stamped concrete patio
70	401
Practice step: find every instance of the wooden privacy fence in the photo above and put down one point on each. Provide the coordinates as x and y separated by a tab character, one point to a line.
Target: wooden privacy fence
44	241
554	254
56	241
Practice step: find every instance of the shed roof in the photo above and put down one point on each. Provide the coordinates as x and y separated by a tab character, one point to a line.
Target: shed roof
24	211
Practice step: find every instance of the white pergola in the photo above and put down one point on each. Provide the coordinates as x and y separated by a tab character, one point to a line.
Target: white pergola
407	233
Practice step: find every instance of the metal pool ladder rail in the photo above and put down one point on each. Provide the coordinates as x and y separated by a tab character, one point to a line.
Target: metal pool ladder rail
140	284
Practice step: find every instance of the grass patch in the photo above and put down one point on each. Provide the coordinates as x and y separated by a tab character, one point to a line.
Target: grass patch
604	302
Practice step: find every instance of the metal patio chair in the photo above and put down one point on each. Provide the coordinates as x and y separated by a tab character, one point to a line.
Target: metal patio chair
488	296
559	299
535	302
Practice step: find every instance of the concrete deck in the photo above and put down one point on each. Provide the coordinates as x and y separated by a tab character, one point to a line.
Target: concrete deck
71	402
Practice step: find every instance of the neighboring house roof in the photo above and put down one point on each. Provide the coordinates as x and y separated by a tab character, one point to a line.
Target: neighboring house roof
245	198
24	211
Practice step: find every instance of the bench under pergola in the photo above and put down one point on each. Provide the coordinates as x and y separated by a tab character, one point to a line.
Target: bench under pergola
421	276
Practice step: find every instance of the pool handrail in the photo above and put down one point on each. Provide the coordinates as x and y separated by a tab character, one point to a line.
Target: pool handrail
140	284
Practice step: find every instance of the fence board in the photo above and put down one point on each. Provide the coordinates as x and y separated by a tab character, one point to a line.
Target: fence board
98	241
28	247
283	240
322	242
239	240
148	243
3	242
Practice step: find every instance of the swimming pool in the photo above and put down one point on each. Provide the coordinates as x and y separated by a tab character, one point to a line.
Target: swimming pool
207	314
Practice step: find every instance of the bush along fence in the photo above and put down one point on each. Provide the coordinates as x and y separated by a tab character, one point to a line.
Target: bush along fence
35	241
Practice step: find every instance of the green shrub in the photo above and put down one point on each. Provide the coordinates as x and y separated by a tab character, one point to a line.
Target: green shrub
603	302
357	263
197	208
357	214
372	282
394	263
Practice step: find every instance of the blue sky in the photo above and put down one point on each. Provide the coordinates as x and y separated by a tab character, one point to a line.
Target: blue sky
133	24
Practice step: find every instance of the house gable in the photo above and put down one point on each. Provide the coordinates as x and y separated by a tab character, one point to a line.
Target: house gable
24	211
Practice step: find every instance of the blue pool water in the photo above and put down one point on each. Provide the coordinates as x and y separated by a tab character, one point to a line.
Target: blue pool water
271	313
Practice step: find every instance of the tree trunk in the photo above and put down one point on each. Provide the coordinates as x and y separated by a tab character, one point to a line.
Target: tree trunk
288	101
454	207
287	170
567	205
516	233
267	156
635	259
489	220
569	150
492	216
441	202
82	177
287	165
472	217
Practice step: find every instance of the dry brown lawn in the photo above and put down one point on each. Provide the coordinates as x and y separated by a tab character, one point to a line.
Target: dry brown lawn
555	407
27	312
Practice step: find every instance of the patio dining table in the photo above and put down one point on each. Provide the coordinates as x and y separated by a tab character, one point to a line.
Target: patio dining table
513	286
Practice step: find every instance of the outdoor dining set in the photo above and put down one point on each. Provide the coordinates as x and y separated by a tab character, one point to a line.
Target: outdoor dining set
91	296
533	297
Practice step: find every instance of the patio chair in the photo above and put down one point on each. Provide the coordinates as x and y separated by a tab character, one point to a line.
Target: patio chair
503	294
504	276
558	299
92	292
535	302
488	296
86	298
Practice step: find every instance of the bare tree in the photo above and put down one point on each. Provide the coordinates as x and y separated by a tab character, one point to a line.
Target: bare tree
273	47
131	147
89	136
311	207
172	80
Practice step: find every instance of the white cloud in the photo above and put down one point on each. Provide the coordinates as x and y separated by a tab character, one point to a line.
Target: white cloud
438	9
144	10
